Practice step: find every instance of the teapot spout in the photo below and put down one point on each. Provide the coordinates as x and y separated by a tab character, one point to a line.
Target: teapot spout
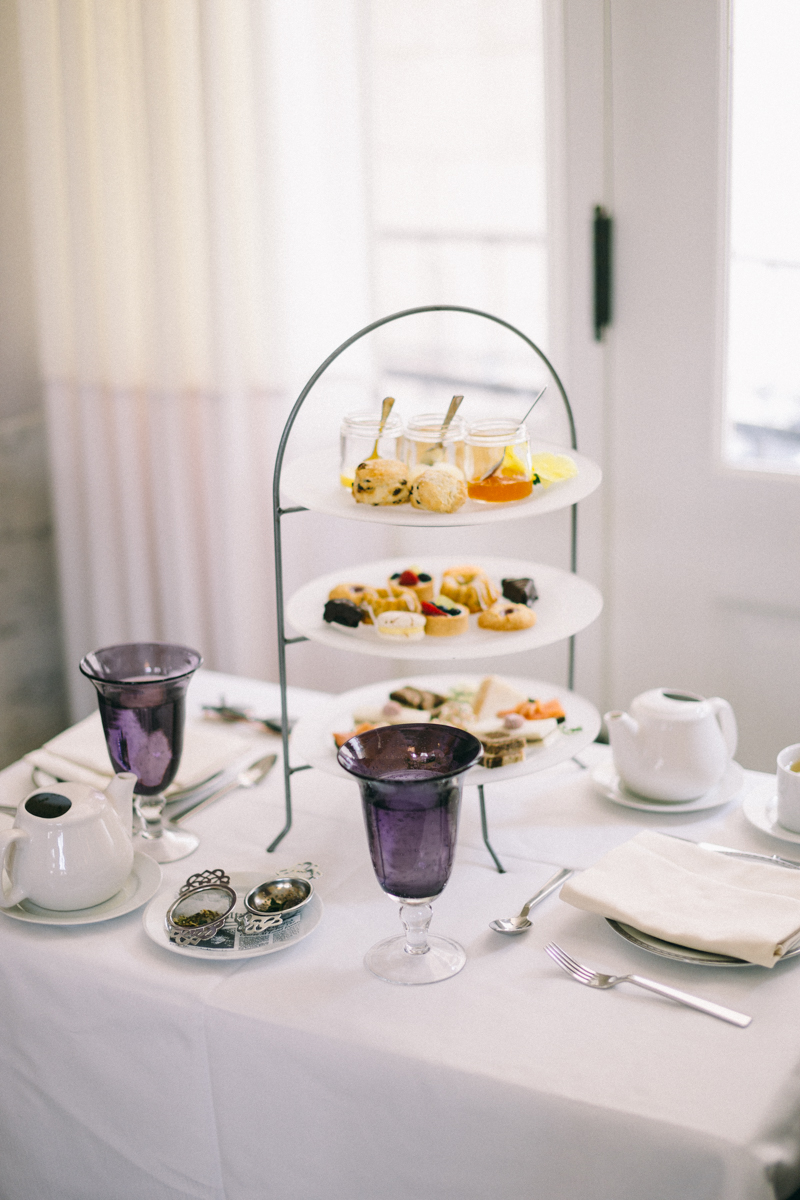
622	728
120	793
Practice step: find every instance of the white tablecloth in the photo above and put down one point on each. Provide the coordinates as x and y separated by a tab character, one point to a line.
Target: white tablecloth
129	1073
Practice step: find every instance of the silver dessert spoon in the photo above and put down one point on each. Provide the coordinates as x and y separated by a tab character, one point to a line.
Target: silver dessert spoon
520	923
499	462
434	454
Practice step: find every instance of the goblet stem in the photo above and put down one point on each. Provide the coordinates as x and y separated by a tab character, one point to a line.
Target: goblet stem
416	918
150	809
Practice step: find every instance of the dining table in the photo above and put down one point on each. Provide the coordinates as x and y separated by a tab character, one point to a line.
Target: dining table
133	1073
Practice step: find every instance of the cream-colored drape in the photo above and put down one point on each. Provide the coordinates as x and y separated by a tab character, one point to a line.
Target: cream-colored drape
197	206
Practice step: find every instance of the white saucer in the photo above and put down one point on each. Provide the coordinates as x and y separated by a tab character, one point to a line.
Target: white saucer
142	883
282	936
607	782
761	809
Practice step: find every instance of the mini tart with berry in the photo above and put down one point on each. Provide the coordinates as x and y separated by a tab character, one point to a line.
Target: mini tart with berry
419	582
446	619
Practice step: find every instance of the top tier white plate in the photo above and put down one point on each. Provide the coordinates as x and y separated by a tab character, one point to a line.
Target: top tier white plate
313	482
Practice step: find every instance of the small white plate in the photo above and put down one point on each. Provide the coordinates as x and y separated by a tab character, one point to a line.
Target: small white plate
142	883
761	809
607	782
293	930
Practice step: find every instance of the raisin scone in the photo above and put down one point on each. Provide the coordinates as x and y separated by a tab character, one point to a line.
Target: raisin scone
381	481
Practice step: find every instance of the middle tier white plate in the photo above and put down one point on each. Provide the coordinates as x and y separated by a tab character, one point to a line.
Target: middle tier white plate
566	605
312	739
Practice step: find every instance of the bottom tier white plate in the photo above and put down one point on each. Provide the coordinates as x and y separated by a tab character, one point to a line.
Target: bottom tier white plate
293	930
312	739
761	810
608	784
142	883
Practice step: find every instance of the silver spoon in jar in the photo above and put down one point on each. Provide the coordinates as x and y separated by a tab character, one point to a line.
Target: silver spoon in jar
520	923
386	408
434	454
499	463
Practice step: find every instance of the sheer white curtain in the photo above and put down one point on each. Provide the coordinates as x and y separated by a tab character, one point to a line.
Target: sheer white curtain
198	212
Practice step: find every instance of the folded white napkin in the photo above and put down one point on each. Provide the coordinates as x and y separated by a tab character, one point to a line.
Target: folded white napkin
681	893
79	754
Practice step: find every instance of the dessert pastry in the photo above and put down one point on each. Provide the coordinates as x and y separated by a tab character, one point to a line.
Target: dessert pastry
501	749
411	697
439	489
520	591
402	626
506	617
350	591
418	581
496	698
470	586
391	599
446	619
381	481
343	612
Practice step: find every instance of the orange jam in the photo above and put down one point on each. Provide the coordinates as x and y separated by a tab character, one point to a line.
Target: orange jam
499	488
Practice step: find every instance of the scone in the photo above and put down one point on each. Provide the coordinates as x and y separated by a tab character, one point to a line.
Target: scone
439	489
506	617
470	586
381	481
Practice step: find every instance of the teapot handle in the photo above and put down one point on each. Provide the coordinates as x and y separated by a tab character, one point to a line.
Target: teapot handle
7	837
727	722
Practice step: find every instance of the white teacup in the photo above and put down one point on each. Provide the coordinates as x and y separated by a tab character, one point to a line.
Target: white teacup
789	788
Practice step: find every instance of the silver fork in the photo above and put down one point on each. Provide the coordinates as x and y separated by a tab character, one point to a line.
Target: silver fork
594	979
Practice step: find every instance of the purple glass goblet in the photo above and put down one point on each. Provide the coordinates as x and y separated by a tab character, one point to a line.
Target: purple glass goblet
141	693
410	780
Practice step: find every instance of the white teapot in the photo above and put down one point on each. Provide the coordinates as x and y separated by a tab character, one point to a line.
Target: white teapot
70	845
675	745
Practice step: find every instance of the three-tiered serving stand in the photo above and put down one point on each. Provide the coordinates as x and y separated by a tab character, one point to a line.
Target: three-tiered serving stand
573	603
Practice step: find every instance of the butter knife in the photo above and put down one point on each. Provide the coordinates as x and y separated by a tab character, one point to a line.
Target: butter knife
772	858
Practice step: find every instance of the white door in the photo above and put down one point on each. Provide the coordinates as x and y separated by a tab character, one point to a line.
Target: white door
701	561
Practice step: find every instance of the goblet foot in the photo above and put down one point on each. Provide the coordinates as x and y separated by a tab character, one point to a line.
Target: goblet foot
172	843
390	961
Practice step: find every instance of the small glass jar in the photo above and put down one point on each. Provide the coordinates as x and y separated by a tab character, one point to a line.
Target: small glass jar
357	437
423	433
503	445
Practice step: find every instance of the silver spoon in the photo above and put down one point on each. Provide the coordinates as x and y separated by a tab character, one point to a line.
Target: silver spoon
248	778
434	454
520	923
522	422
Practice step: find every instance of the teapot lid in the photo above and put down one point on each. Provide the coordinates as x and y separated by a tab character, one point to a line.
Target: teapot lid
675	704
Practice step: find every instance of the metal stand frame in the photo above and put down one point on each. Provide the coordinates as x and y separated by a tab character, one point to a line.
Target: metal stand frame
279	513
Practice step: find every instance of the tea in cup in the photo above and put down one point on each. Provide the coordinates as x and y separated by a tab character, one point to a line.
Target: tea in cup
789	788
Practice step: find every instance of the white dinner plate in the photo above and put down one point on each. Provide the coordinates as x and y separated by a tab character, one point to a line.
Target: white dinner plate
684	954
313	481
312	739
607	781
142	883
566	605
291	931
760	808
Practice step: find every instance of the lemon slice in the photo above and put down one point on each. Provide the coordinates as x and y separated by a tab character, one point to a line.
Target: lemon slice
553	468
512	465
